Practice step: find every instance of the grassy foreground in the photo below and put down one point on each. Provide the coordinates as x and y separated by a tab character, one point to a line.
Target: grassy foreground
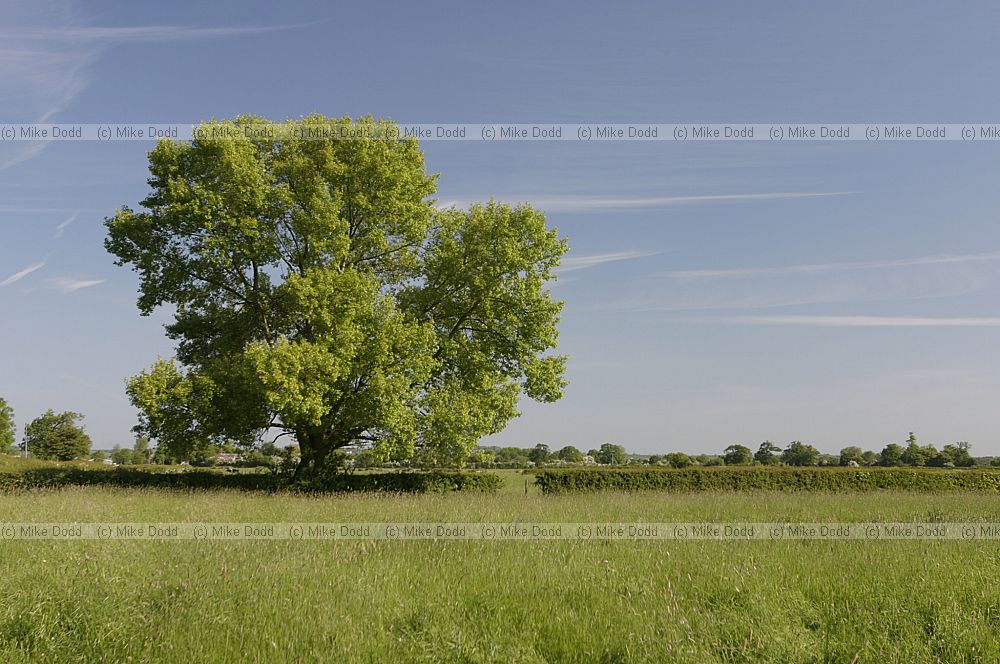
450	601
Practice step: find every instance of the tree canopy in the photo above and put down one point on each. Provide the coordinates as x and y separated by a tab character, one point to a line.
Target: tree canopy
678	460
737	455
540	453
318	292
851	453
57	436
767	453
799	454
570	454
611	454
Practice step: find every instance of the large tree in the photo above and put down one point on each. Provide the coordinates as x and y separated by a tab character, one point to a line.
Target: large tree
851	453
799	454
612	455
570	454
57	436
737	455
317	291
767	453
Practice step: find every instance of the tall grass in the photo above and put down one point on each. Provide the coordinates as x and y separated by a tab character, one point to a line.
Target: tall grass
477	601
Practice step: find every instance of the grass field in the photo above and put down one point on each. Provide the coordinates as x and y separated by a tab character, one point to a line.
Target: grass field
541	601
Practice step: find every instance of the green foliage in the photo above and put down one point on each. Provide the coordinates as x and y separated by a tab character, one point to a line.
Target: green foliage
366	459
915	455
139	455
892	455
767	454
49	477
318	291
52	477
174	409
120	455
737	455
539	453
800	454
960	455
8	428
205	456
482	457
570	454
57	436
256	459
611	455
512	455
678	460
852	454
954	455
140	451
755	478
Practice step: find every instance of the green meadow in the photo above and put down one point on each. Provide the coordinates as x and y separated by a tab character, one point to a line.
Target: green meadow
497	601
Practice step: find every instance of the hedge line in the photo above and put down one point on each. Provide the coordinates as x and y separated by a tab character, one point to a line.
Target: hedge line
408	482
766	479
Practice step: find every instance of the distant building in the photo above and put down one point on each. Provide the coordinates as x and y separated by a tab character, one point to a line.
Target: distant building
226	457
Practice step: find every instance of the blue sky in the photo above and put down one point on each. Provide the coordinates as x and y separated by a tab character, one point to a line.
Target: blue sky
837	293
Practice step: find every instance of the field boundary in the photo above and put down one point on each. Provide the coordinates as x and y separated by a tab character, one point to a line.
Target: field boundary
52	477
755	478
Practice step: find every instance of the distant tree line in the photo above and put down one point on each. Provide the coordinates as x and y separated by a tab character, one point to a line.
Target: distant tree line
796	453
61	437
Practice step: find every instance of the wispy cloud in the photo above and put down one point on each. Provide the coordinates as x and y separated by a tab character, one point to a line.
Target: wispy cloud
820	268
143	33
599	203
574	263
44	68
893	279
113	394
61	228
857	321
67	285
17	276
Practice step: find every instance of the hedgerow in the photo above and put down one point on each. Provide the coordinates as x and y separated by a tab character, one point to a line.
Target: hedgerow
49	477
765	479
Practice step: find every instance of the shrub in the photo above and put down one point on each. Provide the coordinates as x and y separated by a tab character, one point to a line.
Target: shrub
678	460
765	479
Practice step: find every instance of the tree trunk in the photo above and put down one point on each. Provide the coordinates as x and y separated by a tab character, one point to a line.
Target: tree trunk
314	447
